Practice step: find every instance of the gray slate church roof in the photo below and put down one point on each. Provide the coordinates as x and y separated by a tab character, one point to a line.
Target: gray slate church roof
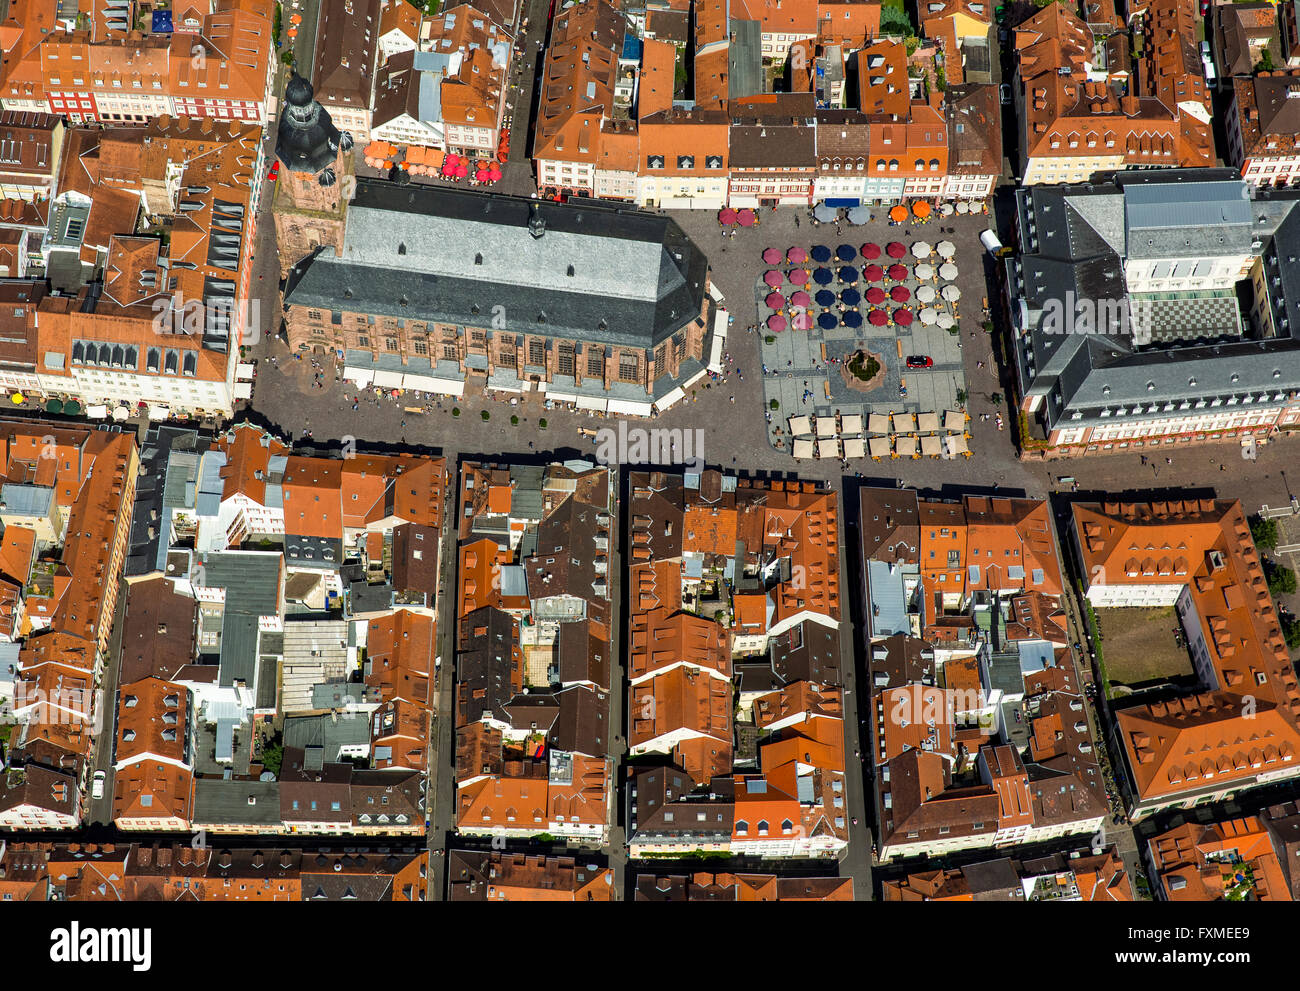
598	273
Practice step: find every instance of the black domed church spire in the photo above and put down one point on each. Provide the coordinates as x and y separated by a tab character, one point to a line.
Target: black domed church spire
307	140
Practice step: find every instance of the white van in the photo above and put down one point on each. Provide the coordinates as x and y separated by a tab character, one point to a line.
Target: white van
990	241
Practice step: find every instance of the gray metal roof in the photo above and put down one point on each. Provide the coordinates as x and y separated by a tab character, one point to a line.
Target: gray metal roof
597	272
210	483
226	739
179	491
329	731
744	59
336	694
432	67
251	580
218	802
526	499
26	500
1162	205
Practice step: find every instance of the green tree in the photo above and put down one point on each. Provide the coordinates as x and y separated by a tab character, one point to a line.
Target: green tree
1281	581
894	21
1291	631
273	757
1263	532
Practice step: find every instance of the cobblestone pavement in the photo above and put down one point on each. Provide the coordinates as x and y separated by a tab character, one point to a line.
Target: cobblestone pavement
802	371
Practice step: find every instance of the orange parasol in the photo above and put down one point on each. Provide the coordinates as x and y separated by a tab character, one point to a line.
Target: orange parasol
898	213
921	209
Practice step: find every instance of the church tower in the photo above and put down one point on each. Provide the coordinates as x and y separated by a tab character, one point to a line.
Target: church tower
316	177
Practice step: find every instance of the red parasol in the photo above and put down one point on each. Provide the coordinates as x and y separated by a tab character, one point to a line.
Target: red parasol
878	318
900	294
773	278
903	316
870	251
895	250
800	298
726	216
799	276
897	272
875	295
802	321
746	217
873	273
776	322
775	301
772	256
797	256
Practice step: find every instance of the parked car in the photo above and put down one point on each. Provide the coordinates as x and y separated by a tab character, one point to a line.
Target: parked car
920	361
1004	91
97	785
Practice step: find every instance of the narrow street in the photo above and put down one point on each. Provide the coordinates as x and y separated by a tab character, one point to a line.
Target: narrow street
100	811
